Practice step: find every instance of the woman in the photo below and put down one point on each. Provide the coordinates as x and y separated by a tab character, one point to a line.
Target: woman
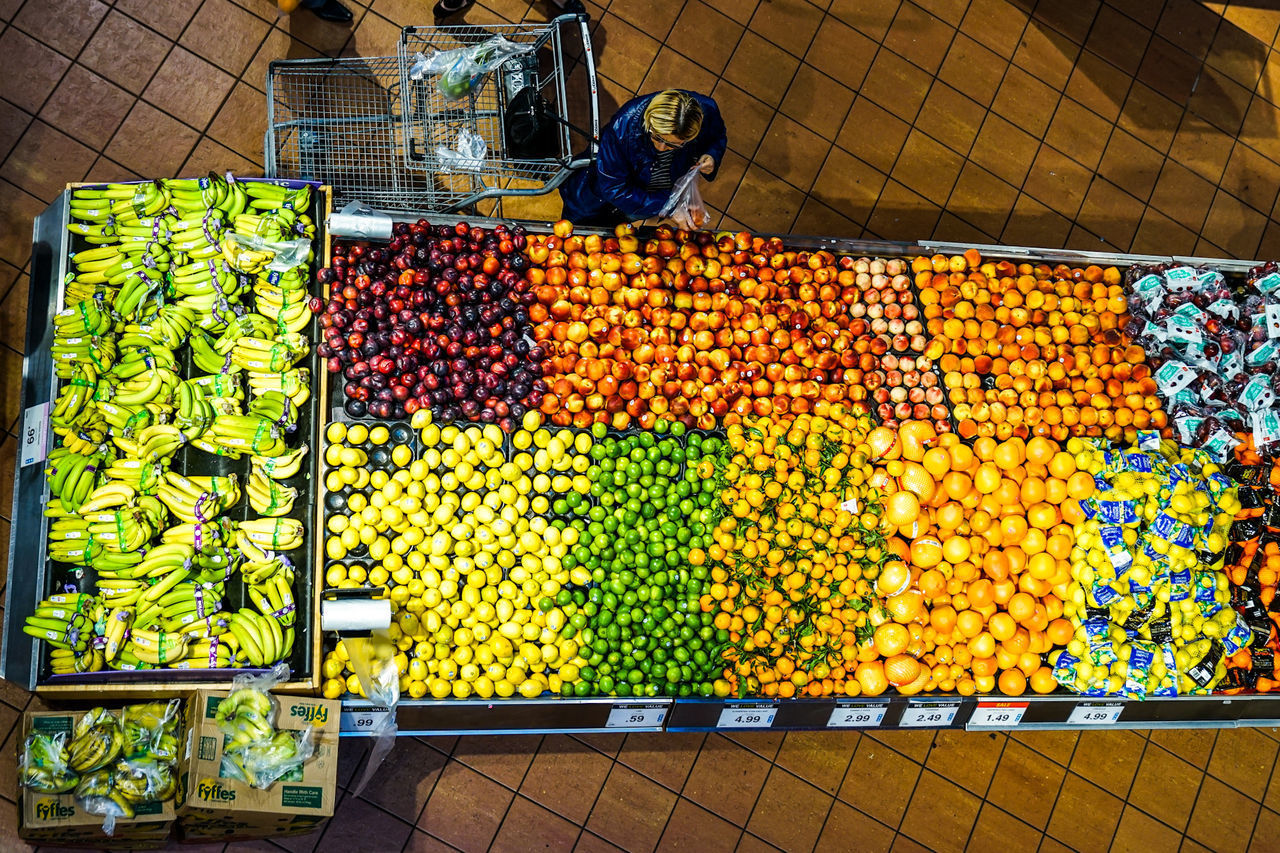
648	145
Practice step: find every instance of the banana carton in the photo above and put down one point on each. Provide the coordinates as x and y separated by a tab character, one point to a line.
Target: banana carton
57	818
218	808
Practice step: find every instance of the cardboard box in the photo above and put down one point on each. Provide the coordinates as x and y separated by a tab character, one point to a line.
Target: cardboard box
56	817
218	809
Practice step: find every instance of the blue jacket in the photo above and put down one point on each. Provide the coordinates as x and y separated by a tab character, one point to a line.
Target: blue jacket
619	176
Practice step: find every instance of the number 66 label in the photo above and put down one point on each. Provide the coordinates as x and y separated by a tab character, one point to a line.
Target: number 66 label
747	717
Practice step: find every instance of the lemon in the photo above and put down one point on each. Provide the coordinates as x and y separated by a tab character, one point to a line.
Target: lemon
379	435
401	455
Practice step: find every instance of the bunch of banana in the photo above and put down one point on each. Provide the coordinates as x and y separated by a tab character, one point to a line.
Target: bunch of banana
196	195
274	599
282	534
88	438
70	662
262	762
208	653
202	278
99	350
138	284
92	264
169	329
206	538
158	442
247	434
133	202
151	256
119	620
198	499
144	780
124	421
97	794
127	661
97	234
208	359
121	530
43	764
183	604
219	385
265	195
156	385
96	741
278	467
195	414
248	325
295	382
259	640
283	297
143	477
86	318
155	647
267	497
72	477
245	716
62	621
277	407
137	360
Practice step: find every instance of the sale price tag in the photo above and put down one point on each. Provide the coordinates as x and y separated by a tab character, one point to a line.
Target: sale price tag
1096	714
35	434
749	716
637	716
928	715
857	715
363	721
998	715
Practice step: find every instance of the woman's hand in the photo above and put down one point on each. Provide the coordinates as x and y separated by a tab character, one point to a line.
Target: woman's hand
706	164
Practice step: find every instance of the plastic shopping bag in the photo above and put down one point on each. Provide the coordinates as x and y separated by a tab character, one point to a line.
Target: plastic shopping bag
461	70
685	203
466	156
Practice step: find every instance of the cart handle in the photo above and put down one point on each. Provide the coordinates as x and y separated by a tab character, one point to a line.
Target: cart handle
588	55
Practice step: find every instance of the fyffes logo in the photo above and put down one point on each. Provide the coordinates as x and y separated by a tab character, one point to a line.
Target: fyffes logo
310	713
211	790
53	810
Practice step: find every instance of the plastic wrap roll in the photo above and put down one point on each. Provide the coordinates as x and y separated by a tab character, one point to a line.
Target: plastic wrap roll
355	614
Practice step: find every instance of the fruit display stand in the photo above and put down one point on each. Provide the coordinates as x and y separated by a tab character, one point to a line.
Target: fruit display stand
1061	709
34	576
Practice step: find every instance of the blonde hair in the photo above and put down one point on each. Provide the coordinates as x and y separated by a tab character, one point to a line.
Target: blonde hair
673	113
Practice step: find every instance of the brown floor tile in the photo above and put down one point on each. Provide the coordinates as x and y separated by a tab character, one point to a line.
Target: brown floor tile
278	45
241	122
354	822
1111	213
692	827
45	160
1234	226
764	203
503	758
726	778
790	812
1079	133
793	152
1169	70
719	193
169	19
1238	55
13	316
820	758
905	844
920	37
210	156
1262	128
64	25
421	842
996	831
818	220
973	69
1251	178
750	844
1047	54
87	107
746	117
981	198
951	117
706	35
1001	23
671	69
664	757
9	8
879	782
9	758
900	214
941	813
1025	784
1183	196
632	811
466	809
1118	39
870	17
1220	100
951	228
967	758
790	24
1208	249
172	92
1086	815
896	85
845	823
1138	833
15	697
125	52
1189	26
592	843
656	16
1026	101
608	743
1222	818
1258	22
1243	758
1004	150
1098	85
1058	181
1145	12
1201	147
840	52
225	34
565	777
927	166
37	66
9	829
1131	164
1190	845
818	102
1266	832
1270	245
1083	240
760	68
405	780
374	35
1151	117
151	143
13	123
913	744
528	823
879	147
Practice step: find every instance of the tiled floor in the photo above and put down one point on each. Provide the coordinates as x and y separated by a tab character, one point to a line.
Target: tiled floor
1138	125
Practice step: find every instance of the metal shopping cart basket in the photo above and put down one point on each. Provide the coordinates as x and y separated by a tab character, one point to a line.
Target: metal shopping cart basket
364	126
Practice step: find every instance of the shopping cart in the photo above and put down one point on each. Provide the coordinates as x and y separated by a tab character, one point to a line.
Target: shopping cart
367	128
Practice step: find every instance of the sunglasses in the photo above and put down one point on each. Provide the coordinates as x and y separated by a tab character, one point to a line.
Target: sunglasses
659	142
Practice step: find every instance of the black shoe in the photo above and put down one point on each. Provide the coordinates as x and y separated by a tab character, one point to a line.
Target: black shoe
569	7
332	11
446	9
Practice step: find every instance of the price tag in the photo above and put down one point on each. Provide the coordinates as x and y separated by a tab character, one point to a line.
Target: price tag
631	716
747	716
998	715
35	434
363	721
1096	714
928	715
857	715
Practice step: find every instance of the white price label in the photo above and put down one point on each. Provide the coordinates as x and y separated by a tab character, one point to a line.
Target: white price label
857	715
928	715
35	434
998	715
747	717
363	720
1272	313
646	716
1096	714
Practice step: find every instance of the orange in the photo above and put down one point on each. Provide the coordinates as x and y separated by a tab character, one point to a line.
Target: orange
943	619
902	509
926	552
1013	528
1080	485
985	667
984	447
1033	491
1042	680
1002	626
932	583
1059	632
1012	682
961	457
957	485
1062	465
1021	607
894	578
937	461
1071	512
980	593
891	639
987	478
1042	566
906	606
871	678
1042	515
982	646
980	521
949	516
969	623
1058	546
956	549
1041	450
1055	490
995	564
1010	454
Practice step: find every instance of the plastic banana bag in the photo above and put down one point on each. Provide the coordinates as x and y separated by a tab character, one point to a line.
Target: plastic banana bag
373	662
151	730
42	766
253	750
286	254
684	205
96	794
467	155
144	780
95	742
261	764
461	71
